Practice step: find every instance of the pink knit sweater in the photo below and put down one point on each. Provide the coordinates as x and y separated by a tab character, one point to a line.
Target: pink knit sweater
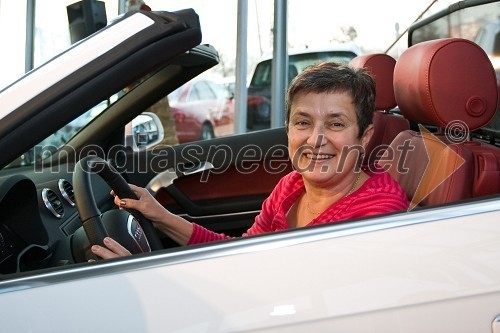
378	195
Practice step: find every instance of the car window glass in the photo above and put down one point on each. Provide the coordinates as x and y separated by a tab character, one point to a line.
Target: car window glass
496	47
205	92
219	91
473	23
175	95
193	94
297	63
262	74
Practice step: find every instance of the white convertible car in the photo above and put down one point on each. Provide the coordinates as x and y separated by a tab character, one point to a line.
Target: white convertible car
433	268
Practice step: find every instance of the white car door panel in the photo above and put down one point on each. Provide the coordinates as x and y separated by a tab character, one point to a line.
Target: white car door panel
370	276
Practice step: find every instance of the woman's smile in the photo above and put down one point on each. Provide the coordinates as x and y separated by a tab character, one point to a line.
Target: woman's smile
319	156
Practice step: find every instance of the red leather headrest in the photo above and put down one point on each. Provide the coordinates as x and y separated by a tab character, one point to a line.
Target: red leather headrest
446	80
381	67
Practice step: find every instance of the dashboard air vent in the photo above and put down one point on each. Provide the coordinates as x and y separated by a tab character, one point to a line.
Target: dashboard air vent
52	202
67	191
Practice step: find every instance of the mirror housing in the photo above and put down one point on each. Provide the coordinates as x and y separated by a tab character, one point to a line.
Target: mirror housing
144	131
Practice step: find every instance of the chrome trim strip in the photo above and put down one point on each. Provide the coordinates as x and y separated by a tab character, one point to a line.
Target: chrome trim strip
60	185
210	217
131	219
250	244
48	204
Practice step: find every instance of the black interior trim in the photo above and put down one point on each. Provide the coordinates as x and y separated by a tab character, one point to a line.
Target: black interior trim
162	158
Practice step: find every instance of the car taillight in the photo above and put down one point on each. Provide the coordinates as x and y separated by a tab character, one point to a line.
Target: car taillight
179	117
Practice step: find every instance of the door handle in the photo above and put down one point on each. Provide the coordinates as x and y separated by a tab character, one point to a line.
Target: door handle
187	170
167	177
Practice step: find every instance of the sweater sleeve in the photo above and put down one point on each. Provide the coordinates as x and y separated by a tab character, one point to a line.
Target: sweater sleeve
203	235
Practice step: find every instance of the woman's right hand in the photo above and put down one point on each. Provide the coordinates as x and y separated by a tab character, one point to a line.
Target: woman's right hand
146	204
175	227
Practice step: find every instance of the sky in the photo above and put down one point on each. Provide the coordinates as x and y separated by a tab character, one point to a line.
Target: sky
311	23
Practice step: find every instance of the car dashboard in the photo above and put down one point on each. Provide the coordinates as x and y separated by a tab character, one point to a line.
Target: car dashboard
38	216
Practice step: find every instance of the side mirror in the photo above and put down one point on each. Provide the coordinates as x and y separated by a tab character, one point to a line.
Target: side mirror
144	131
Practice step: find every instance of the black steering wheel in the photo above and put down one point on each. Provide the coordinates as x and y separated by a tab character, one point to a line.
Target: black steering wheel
130	228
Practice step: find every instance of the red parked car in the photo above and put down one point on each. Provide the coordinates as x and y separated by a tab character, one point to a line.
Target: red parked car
202	110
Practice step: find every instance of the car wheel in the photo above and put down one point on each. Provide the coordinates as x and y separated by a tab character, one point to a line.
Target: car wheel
207	132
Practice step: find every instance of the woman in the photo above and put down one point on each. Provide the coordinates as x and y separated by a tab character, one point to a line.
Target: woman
329	122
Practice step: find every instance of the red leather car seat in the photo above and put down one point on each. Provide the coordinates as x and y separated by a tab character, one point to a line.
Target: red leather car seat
386	124
450	84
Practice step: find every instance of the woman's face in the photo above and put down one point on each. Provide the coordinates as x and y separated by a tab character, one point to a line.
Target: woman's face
323	136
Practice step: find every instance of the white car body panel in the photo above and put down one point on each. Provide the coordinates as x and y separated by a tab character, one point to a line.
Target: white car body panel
371	276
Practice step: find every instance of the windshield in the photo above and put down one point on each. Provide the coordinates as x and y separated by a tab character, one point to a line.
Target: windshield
477	24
